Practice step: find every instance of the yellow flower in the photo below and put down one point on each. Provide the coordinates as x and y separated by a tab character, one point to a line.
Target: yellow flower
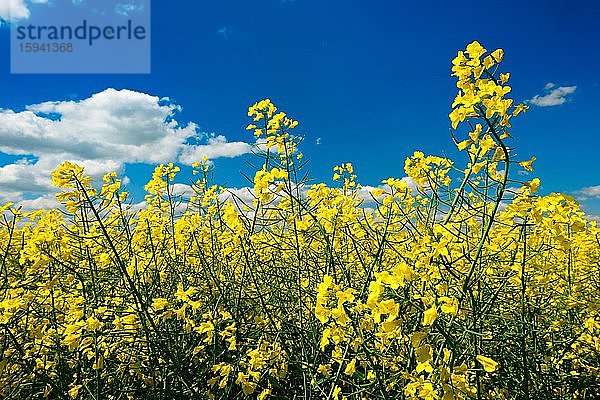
5	207
498	55
74	391
159	303
534	184
487	144
351	367
430	315
65	175
475	50
324	369
450	305
336	392
426	366
488	364
520	108
528	165
464	144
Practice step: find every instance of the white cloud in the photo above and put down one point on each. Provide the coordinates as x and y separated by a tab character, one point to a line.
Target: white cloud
101	133
13	10
217	147
591	218
555	95
364	192
244	195
588	192
137	207
182	189
43	202
126	9
224	32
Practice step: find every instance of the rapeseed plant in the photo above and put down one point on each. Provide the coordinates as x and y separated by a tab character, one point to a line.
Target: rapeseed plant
443	285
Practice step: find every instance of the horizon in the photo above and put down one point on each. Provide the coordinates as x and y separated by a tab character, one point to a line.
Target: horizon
369	92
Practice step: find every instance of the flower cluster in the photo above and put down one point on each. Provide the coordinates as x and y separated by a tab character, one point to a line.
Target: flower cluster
444	284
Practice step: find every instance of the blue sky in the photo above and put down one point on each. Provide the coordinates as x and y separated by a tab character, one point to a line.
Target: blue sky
368	80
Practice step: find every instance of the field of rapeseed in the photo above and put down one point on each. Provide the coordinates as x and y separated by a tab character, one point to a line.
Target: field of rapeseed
458	282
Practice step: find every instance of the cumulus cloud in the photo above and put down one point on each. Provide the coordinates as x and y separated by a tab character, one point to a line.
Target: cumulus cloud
43	202
591	218
217	147
589	192
101	133
244	195
182	189
13	10
110	125
555	95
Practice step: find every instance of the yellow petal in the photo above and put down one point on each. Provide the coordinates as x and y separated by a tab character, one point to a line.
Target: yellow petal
488	364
